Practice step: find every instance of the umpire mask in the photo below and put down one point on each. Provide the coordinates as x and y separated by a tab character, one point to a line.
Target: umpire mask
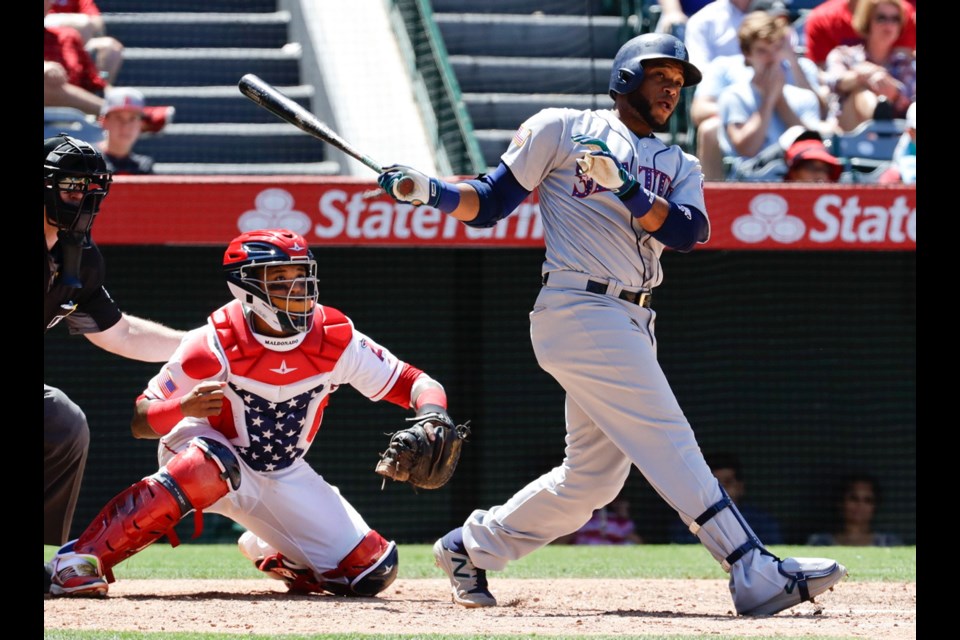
75	182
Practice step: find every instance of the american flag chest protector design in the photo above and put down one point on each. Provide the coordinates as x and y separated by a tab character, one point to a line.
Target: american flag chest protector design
274	399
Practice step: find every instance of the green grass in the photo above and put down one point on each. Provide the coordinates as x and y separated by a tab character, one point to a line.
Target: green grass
894	564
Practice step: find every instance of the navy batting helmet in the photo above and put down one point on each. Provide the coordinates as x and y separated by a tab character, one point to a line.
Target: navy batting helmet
627	72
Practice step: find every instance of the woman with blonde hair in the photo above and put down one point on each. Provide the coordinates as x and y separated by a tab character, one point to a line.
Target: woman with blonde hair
875	79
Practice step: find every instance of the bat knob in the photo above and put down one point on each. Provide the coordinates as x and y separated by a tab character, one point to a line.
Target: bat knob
405	186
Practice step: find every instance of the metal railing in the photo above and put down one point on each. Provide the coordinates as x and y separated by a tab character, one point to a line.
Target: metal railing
438	92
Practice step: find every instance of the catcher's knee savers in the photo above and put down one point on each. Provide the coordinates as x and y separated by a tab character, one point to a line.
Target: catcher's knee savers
192	480
369	569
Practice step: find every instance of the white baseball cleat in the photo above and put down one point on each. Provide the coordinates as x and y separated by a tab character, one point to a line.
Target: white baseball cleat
806	579
468	583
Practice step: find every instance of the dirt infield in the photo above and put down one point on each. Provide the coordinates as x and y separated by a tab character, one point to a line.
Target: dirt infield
544	607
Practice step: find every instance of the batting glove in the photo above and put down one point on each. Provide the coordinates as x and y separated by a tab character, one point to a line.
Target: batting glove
425	190
599	165
602	167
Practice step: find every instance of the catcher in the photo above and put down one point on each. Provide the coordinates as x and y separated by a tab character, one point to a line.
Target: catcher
237	407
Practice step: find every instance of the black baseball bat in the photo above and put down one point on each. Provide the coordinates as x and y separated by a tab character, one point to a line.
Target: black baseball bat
271	99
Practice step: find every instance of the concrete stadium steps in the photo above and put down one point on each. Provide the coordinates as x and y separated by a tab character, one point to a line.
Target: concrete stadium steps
232	143
221	103
203	66
541	36
493	142
513	58
187	6
484	74
508	110
249	30
526	7
326	168
190	54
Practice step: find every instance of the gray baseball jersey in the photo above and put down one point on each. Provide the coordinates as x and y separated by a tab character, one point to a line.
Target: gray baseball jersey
601	348
587	229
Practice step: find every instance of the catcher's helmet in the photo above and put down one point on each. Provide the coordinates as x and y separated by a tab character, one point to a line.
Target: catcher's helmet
69	166
627	72
244	264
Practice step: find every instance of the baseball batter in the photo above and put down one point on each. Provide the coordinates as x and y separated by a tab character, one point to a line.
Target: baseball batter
612	196
236	408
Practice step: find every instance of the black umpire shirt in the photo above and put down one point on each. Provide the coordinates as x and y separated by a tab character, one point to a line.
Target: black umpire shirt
89	309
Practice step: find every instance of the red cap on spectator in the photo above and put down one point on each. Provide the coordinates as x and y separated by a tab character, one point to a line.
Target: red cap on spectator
813	149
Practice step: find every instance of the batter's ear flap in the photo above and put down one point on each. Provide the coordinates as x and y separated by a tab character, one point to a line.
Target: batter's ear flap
625	75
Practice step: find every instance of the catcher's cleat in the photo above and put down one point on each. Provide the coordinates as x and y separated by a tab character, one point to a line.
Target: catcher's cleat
298	578
468	583
806	579
77	574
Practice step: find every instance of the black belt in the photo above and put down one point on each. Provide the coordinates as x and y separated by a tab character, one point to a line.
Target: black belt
642	298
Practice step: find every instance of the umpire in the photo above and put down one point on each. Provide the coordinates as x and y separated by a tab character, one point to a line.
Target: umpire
75	182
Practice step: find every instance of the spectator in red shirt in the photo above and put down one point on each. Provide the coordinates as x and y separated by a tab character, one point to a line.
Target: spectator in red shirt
830	25
610	525
85	17
71	77
875	74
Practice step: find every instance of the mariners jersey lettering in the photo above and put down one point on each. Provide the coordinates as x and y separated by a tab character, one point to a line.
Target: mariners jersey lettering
586	227
274	400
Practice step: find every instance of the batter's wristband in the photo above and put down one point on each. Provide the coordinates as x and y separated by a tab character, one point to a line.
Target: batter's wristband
444	196
638	200
164	415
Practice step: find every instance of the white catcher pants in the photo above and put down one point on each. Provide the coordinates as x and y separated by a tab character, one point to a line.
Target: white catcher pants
294	510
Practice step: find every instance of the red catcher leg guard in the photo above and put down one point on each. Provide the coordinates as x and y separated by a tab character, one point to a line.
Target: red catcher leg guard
363	556
142	513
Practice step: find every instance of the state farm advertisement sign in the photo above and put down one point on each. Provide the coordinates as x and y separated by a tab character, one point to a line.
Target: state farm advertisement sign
340	211
789	217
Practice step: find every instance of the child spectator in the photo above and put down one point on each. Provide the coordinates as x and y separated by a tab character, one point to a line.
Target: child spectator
121	119
754	113
726	71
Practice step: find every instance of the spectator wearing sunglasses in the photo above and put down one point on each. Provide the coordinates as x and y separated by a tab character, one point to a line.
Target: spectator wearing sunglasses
876	79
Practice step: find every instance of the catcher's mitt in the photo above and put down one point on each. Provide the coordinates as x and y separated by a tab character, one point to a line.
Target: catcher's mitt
411	457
